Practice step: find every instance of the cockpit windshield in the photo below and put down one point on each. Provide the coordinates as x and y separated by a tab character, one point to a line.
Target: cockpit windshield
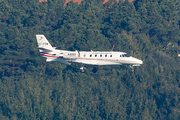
124	55
127	55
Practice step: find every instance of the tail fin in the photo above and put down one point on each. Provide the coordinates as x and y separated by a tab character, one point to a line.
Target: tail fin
45	48
43	43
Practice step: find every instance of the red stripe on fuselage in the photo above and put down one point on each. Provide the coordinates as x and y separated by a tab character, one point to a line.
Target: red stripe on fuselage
47	55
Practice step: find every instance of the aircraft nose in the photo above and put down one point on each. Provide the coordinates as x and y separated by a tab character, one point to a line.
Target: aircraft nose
137	61
140	62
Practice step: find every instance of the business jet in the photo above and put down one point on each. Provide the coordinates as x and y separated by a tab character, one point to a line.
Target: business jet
84	57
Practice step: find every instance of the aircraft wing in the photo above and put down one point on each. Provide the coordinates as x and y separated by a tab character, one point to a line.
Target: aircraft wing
58	60
88	62
96	62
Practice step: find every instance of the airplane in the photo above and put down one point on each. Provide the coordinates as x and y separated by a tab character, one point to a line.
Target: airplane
84	57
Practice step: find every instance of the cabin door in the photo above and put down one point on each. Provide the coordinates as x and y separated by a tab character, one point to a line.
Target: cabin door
78	54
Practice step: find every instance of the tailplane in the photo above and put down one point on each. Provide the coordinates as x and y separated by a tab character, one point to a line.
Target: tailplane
43	43
49	52
45	48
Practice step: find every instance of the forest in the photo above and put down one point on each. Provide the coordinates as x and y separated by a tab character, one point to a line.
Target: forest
33	89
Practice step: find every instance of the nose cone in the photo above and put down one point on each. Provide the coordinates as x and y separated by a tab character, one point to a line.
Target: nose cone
137	61
140	62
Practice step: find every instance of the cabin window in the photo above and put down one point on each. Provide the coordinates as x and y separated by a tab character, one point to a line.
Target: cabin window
123	55
84	55
110	55
90	55
100	55
120	55
54	54
71	53
95	55
105	55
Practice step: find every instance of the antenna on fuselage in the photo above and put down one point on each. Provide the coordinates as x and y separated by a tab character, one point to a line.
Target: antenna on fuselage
113	47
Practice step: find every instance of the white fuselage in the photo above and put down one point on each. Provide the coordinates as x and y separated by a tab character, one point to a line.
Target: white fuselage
92	57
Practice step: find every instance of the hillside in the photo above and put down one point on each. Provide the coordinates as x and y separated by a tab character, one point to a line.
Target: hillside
79	1
31	88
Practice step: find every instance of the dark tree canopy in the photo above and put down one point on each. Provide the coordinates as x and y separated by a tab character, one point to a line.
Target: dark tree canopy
30	88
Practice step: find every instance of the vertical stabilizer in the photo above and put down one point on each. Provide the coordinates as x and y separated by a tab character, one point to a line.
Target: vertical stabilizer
43	42
45	48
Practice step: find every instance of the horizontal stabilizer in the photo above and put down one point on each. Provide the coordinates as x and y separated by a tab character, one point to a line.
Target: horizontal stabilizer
136	65
49	60
58	60
45	49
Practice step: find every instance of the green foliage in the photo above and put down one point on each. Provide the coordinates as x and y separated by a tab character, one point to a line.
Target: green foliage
30	88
